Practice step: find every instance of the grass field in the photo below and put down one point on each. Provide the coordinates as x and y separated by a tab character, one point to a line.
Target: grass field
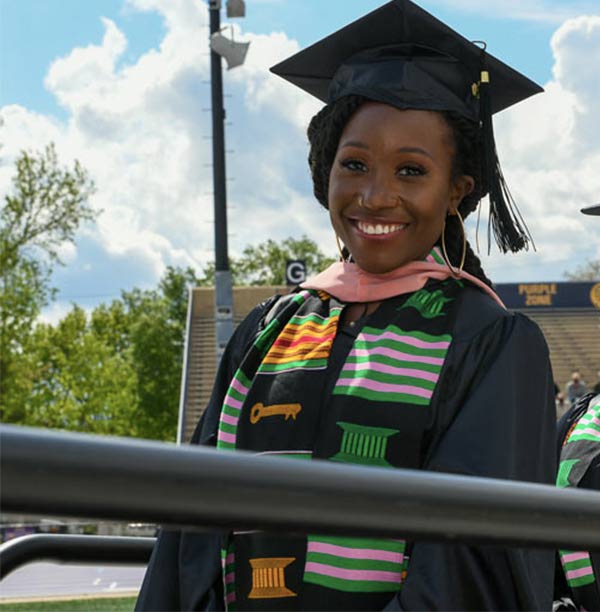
100	604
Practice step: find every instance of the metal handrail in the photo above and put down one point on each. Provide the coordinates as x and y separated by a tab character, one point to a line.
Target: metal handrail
80	475
61	548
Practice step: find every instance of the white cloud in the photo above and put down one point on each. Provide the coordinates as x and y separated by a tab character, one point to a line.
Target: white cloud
88	73
55	312
576	45
67	253
550	150
263	91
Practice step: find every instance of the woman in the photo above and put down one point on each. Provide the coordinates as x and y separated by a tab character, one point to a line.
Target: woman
401	355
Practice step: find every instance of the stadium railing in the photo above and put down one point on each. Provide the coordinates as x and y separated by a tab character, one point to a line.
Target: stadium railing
84	476
62	548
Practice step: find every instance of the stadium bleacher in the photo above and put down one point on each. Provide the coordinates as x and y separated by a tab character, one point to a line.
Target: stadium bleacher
573	338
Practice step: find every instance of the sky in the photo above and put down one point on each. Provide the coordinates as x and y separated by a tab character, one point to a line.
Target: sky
123	86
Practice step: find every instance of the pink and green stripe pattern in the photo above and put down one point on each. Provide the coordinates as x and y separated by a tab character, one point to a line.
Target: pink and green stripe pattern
357	565
393	365
232	407
588	427
240	384
435	256
577	567
228	566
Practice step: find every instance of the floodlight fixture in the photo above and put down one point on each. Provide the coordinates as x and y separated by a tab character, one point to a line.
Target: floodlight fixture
234	53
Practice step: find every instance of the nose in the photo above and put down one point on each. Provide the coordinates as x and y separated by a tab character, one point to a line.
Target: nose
381	192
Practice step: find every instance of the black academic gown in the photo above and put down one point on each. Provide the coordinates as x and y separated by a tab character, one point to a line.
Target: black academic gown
588	598
492	416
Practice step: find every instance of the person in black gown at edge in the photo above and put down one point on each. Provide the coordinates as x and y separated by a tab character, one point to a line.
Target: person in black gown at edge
398	356
577	580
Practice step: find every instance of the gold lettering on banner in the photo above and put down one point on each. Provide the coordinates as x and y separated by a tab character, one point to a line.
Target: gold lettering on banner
260	411
595	295
268	578
538	294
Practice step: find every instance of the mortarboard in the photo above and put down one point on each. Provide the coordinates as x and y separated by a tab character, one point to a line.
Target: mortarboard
401	55
591	210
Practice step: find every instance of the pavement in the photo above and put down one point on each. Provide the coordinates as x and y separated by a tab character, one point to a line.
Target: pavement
51	580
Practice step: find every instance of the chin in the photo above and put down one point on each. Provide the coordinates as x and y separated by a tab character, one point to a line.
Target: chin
378	267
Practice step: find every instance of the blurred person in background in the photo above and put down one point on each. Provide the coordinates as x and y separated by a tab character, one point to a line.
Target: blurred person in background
576	388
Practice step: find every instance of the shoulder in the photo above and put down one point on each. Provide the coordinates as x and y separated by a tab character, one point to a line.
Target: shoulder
256	320
479	315
572	416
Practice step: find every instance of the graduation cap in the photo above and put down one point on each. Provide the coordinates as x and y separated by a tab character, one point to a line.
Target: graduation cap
591	210
401	55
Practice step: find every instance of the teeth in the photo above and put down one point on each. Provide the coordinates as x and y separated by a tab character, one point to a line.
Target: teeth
379	229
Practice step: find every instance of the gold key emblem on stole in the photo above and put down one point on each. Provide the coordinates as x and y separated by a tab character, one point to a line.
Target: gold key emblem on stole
260	411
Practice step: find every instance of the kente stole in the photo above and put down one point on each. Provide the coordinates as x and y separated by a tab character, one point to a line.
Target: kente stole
308	389
580	449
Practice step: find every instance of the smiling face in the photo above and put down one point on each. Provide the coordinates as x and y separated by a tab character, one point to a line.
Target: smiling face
391	185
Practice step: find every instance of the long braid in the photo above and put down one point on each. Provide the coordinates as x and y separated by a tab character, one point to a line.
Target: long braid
467	161
324	133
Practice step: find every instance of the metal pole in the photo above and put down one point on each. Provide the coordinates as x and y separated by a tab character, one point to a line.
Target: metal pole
117	550
63	474
223	283
183	394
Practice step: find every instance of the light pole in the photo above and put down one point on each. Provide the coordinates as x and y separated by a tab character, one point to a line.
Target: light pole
234	54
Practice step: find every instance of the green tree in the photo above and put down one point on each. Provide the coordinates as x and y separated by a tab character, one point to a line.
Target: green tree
157	331
45	207
116	371
588	271
264	263
79	382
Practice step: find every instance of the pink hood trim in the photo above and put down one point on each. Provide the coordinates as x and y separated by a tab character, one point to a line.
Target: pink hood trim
348	283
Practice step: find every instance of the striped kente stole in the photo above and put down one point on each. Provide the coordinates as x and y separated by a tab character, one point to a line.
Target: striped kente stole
309	389
580	449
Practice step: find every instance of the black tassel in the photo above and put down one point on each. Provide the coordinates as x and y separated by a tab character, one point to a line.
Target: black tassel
505	220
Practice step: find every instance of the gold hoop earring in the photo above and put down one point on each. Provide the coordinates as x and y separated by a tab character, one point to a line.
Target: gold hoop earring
455	271
340	249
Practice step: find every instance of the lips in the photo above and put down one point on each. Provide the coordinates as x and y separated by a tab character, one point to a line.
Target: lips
379	229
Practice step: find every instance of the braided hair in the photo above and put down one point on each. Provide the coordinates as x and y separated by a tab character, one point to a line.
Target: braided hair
324	133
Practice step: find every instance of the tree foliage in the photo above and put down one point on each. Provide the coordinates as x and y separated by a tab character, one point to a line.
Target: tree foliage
43	210
264	263
156	336
47	206
588	271
115	371
76	380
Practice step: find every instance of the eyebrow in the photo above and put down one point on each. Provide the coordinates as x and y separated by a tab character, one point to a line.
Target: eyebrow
362	145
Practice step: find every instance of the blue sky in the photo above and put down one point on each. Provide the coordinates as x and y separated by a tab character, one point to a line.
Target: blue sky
122	86
34	32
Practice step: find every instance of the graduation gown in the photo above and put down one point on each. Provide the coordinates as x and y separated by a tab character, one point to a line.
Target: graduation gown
491	415
577	582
